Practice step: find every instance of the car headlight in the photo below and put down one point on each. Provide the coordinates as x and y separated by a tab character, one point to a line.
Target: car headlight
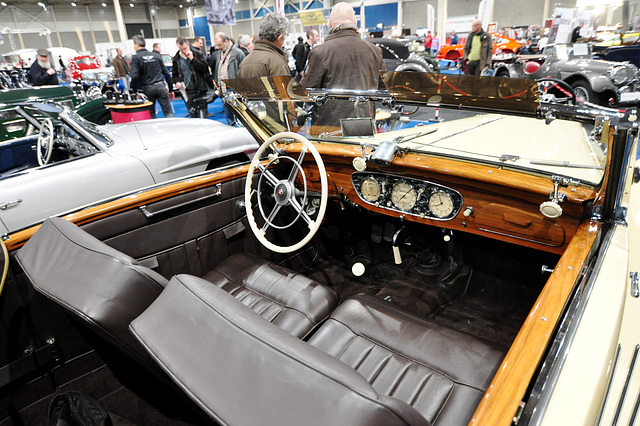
622	74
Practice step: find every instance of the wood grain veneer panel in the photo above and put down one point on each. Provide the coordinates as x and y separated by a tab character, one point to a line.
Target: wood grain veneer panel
500	402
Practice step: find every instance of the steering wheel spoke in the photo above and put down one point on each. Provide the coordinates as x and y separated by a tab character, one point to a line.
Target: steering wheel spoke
284	193
268	175
45	142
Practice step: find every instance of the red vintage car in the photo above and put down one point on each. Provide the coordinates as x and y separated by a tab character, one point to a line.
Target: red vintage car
501	44
81	63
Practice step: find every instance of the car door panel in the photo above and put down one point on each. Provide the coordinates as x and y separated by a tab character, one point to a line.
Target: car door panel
58	188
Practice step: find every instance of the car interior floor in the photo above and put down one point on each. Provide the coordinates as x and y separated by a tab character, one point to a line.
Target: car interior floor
480	286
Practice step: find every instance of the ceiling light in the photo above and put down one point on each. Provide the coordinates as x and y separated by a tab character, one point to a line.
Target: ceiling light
3	4
104	5
131	4
73	4
180	6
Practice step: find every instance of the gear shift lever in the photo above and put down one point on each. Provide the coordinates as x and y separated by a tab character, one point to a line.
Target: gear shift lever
398	237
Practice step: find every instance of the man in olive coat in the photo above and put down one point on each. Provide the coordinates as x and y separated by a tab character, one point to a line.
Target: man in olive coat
478	50
268	58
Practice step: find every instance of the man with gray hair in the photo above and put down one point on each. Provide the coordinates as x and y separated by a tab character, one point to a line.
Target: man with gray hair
268	58
243	43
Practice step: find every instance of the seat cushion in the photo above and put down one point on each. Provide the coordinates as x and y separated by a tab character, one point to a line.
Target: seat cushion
244	370
441	372
102	286
291	301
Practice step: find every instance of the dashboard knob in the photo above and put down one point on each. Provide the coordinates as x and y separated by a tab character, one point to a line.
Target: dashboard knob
468	211
447	238
551	209
359	164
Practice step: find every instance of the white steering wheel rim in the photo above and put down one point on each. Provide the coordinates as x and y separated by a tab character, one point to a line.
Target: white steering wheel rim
45	142
315	224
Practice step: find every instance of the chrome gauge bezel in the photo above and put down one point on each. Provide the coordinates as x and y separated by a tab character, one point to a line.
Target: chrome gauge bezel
371	184
394	191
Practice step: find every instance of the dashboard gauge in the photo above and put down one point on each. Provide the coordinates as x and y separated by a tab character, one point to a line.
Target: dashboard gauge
370	189
404	196
441	204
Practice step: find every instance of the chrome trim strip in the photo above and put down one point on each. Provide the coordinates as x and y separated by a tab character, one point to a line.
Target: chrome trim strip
625	388
613	373
553	363
636	408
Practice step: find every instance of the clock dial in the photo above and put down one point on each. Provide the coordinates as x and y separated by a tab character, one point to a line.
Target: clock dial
441	204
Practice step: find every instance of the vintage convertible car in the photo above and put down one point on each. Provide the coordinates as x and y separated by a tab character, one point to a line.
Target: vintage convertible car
482	269
91	109
593	80
52	160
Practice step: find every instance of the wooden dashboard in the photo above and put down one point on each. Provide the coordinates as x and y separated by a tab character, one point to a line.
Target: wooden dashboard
485	200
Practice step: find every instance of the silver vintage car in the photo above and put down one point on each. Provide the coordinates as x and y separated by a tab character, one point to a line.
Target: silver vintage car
53	160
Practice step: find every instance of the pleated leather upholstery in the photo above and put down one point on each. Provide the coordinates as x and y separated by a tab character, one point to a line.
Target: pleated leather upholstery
291	301
440	372
244	370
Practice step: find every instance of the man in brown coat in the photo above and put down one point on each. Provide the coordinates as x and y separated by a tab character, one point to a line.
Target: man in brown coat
344	61
121	66
267	58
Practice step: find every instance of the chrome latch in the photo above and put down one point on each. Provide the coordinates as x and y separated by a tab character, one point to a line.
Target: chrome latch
6	205
635	284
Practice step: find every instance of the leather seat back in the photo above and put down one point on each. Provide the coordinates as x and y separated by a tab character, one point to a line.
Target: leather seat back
242	369
102	286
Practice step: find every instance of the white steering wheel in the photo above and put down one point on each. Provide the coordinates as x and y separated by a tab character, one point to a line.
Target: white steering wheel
285	192
45	141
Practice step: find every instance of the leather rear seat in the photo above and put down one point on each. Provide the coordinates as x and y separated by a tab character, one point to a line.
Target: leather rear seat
440	372
108	289
368	364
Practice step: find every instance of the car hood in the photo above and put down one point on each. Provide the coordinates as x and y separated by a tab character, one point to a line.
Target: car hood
162	131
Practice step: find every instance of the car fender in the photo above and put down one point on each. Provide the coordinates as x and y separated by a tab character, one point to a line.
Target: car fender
92	110
599	83
58	188
413	66
511	69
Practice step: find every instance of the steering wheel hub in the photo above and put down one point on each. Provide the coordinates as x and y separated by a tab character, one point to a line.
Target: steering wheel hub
282	193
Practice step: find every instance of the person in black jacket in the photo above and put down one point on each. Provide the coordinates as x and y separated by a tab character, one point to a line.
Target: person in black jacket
301	55
189	74
42	72
148	70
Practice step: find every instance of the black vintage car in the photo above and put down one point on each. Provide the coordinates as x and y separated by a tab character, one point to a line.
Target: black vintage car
593	80
398	57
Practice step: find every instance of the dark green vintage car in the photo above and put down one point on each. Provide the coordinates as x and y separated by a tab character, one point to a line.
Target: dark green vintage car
90	109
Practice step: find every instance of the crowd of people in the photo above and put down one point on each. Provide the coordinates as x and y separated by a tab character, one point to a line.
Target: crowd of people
328	65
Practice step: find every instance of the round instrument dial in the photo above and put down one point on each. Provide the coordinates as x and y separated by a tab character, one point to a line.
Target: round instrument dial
441	204
370	189
404	196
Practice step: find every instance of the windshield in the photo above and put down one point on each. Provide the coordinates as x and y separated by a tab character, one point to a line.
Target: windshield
421	112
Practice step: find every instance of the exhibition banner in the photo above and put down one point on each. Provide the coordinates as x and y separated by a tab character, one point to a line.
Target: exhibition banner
561	26
220	12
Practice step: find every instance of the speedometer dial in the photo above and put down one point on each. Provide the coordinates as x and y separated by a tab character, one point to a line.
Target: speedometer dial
441	204
404	196
370	189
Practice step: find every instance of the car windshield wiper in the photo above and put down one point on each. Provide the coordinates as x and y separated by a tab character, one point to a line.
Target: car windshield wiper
555	163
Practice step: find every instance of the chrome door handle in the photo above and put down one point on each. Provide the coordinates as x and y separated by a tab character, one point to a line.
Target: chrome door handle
6	205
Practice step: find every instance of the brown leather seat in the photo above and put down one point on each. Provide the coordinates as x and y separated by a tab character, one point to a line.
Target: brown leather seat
368	364
243	370
108	289
291	301
440	372
104	287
